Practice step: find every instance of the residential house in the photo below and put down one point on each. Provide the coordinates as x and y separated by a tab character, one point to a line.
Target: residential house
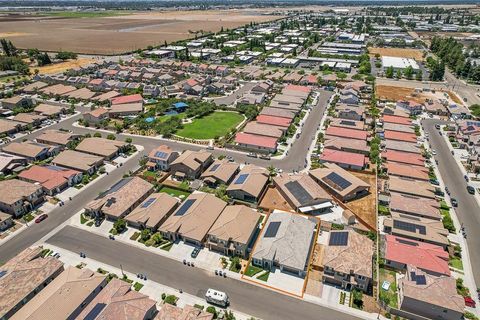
249	185
53	179
220	172
16	102
96	116
161	157
346	160
120	199
65	297
416	206
24	276
120	302
79	161
339	182
233	232
153	211
286	243
429	296
348	260
190	164
256	143
193	219
10	163
171	312
6	221
57	138
108	149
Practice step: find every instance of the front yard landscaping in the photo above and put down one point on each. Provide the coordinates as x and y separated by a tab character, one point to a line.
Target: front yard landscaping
389	296
175	192
216	124
252	270
264	276
137	286
456	263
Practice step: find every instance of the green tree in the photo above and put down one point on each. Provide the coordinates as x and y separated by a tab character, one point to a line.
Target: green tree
120	225
408	72
389	72
97	135
111	136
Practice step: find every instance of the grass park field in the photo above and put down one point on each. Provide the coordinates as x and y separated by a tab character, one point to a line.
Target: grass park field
217	124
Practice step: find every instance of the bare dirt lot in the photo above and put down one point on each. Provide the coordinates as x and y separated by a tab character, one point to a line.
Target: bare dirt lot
364	208
62	66
118	34
398	93
415	54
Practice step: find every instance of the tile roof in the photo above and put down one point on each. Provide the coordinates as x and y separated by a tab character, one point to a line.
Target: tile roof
397	119
257	178
400	136
153	210
256	128
415	205
170	312
100	146
425	256
343	157
404	157
76	160
405	170
272	120
49	177
353	257
127	99
410	186
256	140
24	273
221	170
346	133
14	190
236	223
56	137
192	159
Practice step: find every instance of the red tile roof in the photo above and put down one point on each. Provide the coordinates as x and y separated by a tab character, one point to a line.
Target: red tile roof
254	140
298	88
276	121
49	177
343	157
347	133
400	136
405	170
397	119
425	256
403	157
127	99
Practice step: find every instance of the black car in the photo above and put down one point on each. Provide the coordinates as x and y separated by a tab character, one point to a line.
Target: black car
454	202
447	191
471	189
434	182
195	252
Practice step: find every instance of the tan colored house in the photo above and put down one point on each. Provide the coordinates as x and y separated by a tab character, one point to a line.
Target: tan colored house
303	193
79	161
108	149
170	312
193	219
117	301
339	182
411	187
64	297
19	197
10	126
249	184
96	116
49	110
57	137
416	228
347	260
233	231
190	164
120	199
6	221
153	211
16	102
161	157
33	151
220	172
25	275
430	296
32	119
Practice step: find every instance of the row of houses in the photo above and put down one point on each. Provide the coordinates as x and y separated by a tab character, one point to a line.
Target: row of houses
415	243
35	286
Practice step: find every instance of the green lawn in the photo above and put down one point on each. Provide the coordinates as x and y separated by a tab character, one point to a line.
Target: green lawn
456	263
390	296
175	192
137	286
168	116
217	124
264	276
252	270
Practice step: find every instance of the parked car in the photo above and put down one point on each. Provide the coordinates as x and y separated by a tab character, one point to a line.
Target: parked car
434	182
252	155
469	302
454	202
466	178
437	126
195	252
40	218
265	157
434	152
447	190
471	189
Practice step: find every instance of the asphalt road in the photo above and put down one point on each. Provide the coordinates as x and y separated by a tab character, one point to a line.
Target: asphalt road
468	210
245	297
295	160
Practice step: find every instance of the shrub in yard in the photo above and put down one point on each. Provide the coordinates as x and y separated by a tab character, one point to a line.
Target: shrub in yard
171	299
145	234
198	306
164	296
120	225
213	311
357	297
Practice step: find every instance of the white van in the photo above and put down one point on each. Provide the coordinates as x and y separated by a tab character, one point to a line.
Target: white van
217	297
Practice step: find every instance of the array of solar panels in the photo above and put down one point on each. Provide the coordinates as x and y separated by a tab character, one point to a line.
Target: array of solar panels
241	178
338	180
147	203
272	229
409	243
419	279
184	208
55	168
298	192
161	155
410	227
347	122
338	239
214	167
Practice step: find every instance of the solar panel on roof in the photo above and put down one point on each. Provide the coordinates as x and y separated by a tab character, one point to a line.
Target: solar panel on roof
338	180
410	243
347	122
148	202
410	227
161	154
184	208
338	239
298	192
214	168
241	178
272	229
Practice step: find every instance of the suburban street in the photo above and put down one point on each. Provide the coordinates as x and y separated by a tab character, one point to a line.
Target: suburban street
293	161
468	210
245	297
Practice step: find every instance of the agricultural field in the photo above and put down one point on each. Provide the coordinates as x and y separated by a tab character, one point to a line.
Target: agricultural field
117	32
415	54
217	124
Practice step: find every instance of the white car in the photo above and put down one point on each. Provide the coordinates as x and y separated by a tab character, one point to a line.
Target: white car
434	152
